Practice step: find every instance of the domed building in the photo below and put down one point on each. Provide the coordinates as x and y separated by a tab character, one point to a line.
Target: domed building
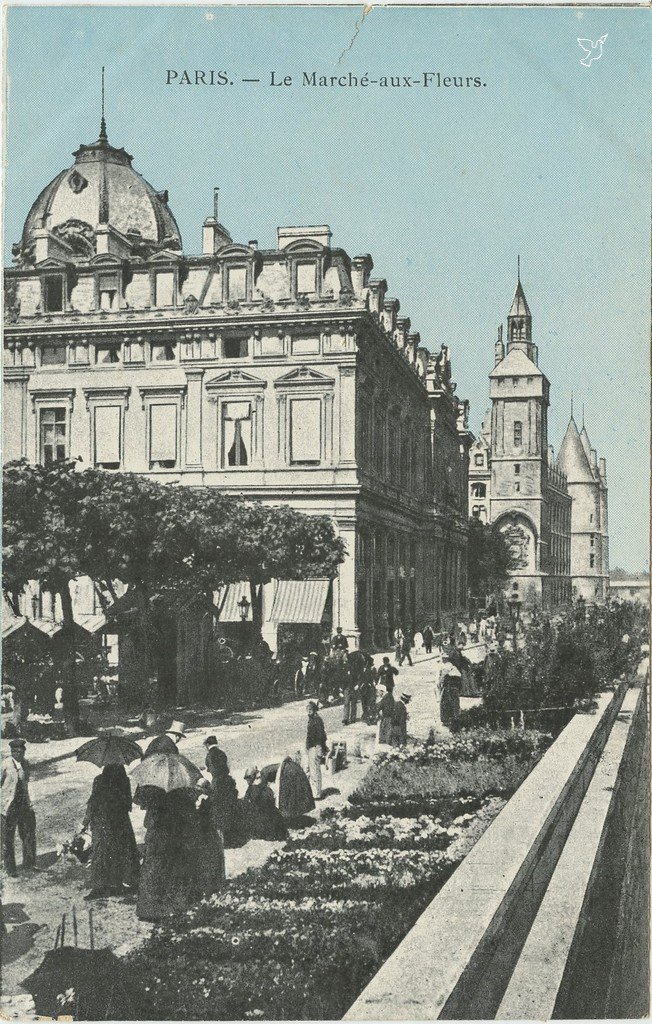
100	205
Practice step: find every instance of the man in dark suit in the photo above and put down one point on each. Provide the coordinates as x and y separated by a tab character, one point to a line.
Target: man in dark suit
339	642
17	810
167	742
216	760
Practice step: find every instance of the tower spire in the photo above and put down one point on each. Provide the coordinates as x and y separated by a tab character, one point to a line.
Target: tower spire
518	269
103	135
571	404
583	427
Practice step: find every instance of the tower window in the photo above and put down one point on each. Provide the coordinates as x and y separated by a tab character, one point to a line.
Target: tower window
592	540
518	433
517	469
592	561
517	487
479	490
479	460
53	294
591	517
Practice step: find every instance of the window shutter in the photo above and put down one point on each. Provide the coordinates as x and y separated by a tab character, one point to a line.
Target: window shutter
107	434
163	433
305	430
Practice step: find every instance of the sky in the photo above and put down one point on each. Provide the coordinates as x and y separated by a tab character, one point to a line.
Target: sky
444	186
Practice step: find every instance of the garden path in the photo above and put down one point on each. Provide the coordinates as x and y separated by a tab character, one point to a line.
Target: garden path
33	904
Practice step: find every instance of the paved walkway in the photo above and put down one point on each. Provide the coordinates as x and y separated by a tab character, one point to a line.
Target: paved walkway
33	903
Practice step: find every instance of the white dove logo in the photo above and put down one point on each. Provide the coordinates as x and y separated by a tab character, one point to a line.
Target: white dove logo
593	50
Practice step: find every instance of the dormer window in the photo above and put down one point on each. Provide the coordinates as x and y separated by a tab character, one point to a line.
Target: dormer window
236	283
306	278
164	288
108	291
53	294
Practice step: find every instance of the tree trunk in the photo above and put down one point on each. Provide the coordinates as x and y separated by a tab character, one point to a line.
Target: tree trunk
69	667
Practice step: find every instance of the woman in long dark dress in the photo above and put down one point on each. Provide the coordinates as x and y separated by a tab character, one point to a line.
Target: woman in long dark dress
292	788
227	807
211	873
115	861
169	874
450	689
264	820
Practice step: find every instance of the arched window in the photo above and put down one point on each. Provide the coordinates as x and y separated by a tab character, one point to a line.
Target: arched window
479	490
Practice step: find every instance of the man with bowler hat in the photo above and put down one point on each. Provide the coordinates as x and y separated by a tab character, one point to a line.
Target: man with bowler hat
17	810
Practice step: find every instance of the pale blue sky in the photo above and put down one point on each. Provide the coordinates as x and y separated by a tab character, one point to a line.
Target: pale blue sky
442	186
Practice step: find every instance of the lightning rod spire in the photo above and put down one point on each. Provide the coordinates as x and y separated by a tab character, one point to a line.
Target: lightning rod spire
103	135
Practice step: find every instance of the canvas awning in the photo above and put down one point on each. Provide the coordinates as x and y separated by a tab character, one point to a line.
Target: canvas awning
10	621
226	601
300	600
91	623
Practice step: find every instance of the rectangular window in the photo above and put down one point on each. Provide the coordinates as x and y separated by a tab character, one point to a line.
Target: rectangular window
164	289
162	436
235	348
108	289
134	352
53	436
518	433
592	540
163	352
53	294
592	561
272	345
53	355
517	487
236	434
305	345
107	430
306	278
517	469
591	517
106	354
237	283
305	431
479	460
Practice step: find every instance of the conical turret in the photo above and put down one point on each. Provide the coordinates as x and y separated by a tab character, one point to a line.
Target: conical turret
573	459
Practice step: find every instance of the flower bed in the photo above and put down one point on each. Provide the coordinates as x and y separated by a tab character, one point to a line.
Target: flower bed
300	937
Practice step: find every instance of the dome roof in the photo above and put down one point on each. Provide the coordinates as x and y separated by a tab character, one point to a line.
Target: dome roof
101	188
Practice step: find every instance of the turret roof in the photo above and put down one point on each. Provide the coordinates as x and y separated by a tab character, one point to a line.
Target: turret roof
572	458
516	364
519	304
585	441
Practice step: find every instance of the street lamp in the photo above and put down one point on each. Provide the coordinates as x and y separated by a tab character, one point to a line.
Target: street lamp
243	605
514	603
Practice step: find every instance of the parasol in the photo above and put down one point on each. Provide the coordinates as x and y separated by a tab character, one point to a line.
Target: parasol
166	772
105	750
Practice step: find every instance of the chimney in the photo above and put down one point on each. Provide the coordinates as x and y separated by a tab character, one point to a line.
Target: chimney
500	347
390	309
361	267
377	292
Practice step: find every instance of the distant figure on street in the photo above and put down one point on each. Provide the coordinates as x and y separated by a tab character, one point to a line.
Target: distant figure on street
17	810
350	694
316	747
450	686
367	691
385	717
114	860
301	678
386	674
398	638
168	742
428	637
399	721
263	818
408	644
339	642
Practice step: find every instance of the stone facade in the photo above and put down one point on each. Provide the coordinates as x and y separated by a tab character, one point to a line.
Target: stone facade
283	374
552	511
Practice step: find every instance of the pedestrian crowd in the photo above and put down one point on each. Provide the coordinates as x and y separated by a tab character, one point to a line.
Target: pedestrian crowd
192	815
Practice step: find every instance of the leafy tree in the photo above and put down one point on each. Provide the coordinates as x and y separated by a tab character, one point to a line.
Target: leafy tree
488	558
172	546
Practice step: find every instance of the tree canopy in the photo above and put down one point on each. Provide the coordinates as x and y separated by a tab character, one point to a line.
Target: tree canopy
488	558
170	545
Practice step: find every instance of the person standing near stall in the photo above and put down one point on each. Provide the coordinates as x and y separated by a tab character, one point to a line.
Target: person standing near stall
316	747
17	810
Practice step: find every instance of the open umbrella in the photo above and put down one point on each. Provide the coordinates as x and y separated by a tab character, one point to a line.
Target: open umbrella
109	750
166	772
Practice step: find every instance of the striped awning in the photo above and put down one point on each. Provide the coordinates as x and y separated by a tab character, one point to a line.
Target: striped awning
300	600
227	603
10	621
91	623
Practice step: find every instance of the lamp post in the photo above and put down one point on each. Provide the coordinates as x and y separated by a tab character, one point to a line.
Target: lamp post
243	608
514	603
